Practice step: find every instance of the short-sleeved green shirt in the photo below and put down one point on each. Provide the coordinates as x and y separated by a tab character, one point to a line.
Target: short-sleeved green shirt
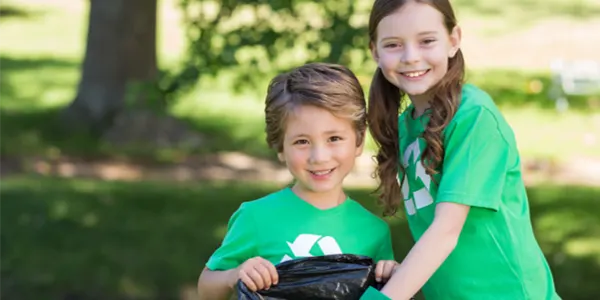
497	256
281	227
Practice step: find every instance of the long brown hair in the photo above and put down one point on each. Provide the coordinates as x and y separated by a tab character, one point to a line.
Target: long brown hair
385	101
329	86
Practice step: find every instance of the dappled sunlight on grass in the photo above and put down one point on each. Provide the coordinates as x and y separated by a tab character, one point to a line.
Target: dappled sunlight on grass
523	12
54	29
548	134
584	247
37	84
233	122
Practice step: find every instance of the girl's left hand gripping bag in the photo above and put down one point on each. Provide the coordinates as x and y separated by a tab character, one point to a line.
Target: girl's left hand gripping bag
339	277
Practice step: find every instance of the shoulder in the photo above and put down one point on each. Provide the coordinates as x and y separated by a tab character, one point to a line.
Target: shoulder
478	112
270	202
477	106
368	218
475	99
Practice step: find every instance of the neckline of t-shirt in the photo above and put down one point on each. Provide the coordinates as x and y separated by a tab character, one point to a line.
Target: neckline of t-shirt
411	107
421	120
332	210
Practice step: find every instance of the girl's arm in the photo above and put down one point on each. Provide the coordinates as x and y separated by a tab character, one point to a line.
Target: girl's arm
216	285
428	254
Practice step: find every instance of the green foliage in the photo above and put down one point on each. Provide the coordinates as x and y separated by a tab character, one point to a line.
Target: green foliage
255	39
260	38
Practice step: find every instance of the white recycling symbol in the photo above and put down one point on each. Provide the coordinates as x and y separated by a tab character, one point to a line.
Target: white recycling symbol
304	242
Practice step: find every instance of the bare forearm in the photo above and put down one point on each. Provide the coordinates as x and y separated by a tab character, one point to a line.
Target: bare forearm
422	261
215	285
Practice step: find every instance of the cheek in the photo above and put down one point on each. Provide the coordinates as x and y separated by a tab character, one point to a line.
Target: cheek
438	56
347	152
295	158
387	61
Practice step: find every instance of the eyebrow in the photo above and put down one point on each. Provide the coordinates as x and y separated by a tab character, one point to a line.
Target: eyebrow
419	34
329	132
427	32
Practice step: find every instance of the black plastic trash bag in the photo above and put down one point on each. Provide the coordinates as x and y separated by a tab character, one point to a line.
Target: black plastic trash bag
342	276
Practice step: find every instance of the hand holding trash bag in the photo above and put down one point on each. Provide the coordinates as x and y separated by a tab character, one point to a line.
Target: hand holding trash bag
342	276
257	273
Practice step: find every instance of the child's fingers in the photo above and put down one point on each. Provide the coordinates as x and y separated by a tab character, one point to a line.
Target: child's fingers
272	271
248	281
264	274
388	269
256	278
379	270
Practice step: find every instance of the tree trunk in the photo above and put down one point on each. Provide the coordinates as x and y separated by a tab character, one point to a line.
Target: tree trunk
120	50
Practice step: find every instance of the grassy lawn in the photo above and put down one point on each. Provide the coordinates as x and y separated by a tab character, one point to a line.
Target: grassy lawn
100	240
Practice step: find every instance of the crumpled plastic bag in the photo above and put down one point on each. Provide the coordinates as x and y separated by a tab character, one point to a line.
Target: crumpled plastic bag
339	277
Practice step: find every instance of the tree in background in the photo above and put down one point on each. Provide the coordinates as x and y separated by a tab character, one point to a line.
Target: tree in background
249	40
120	62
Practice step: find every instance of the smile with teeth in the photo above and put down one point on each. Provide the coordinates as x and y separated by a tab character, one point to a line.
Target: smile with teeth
323	172
415	73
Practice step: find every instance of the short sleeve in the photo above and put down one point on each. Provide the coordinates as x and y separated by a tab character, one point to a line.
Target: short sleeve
475	161
386	251
239	243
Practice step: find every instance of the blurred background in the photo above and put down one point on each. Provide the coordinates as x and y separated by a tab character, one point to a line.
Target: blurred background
132	129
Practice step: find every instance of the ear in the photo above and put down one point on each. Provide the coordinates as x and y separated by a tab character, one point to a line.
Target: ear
374	53
455	39
281	157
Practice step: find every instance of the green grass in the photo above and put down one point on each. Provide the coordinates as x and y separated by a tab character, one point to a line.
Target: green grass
101	240
508	16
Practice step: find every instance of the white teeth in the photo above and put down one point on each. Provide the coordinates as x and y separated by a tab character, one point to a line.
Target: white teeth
322	172
414	74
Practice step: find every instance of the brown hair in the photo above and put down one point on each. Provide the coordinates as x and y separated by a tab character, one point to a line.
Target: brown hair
385	101
328	86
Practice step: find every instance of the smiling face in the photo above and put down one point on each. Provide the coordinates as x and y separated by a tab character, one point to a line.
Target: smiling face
412	47
319	149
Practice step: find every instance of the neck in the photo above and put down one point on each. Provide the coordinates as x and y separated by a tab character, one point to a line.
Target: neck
320	200
421	103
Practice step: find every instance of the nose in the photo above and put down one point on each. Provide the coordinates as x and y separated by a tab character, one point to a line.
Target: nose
319	154
410	55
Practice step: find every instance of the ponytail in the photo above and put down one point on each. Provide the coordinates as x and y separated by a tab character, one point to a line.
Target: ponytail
382	116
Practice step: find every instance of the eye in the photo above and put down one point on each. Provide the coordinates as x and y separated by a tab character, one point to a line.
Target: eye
336	138
301	142
428	41
391	45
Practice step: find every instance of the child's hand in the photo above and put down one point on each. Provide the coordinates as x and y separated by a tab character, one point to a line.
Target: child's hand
257	273
384	270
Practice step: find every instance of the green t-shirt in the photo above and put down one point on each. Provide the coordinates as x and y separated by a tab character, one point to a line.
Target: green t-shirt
497	256
281	227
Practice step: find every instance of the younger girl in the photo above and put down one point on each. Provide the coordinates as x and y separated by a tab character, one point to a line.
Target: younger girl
315	120
451	159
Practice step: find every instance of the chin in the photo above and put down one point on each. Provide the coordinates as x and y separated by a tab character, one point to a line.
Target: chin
322	188
417	91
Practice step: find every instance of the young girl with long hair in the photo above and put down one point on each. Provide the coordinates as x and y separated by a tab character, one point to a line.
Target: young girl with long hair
451	160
